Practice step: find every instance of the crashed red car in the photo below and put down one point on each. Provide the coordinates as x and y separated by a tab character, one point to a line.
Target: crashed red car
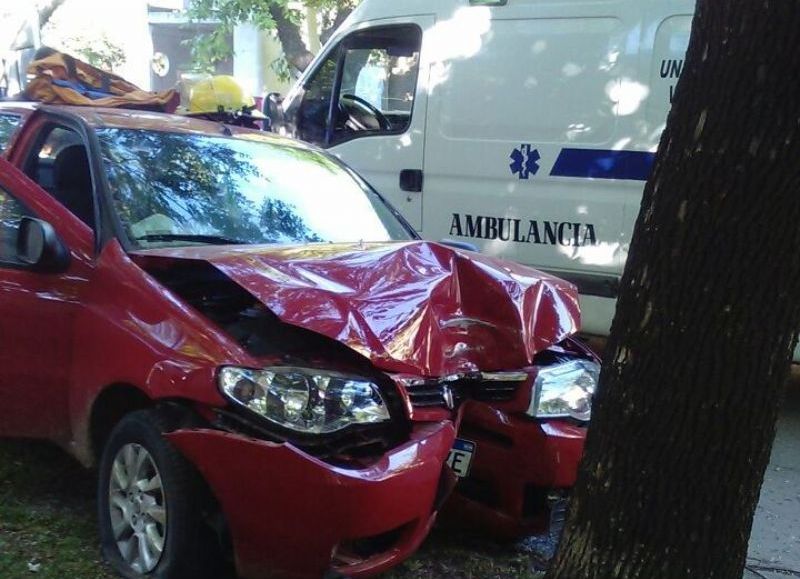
261	356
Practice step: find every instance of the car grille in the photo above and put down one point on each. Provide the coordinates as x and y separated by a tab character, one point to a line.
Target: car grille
451	392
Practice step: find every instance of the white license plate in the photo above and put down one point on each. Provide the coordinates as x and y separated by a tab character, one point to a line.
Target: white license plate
460	458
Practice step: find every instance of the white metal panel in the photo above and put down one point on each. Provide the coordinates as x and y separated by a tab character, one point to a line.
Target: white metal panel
381	158
534	87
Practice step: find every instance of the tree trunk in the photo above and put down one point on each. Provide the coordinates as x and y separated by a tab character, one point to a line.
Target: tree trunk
294	48
707	316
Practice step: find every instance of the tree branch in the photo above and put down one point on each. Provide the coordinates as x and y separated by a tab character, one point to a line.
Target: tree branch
289	34
341	15
46	12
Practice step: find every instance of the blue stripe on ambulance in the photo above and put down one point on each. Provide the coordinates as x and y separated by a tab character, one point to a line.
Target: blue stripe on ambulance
603	164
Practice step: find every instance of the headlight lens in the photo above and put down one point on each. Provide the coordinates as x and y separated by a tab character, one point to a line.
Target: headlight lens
304	400
565	390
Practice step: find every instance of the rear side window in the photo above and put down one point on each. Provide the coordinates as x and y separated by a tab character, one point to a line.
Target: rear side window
11	211
8	126
61	167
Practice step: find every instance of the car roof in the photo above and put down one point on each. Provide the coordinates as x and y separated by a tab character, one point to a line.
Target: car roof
17	108
117	118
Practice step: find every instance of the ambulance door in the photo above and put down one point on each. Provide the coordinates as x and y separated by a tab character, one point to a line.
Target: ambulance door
523	155
366	103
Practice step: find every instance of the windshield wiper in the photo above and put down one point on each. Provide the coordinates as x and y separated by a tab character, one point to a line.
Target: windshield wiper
194	238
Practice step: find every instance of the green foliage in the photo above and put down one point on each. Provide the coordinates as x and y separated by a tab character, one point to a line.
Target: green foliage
99	52
208	49
47	523
282	69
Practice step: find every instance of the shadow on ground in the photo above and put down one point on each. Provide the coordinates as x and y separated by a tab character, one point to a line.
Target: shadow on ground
47	527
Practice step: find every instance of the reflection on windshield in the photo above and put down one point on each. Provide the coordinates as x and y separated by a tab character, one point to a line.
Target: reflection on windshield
184	189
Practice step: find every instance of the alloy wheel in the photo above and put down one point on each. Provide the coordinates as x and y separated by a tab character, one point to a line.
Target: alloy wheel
137	508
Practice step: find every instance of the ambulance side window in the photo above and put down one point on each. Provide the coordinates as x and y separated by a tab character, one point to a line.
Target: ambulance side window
313	114
372	78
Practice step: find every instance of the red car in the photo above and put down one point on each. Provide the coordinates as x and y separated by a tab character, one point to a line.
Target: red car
260	354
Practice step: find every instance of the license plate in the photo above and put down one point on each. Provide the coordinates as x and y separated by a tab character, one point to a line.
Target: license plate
460	458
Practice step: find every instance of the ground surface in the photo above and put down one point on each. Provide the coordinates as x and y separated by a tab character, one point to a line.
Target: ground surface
47	520
775	541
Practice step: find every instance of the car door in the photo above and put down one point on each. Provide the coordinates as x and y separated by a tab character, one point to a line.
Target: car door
366	103
37	313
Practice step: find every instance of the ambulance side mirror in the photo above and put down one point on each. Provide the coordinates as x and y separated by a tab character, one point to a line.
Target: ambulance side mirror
271	108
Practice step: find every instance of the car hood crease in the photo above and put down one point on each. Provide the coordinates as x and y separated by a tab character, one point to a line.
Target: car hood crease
415	307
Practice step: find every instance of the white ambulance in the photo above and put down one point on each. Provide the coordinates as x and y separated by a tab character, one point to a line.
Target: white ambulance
525	127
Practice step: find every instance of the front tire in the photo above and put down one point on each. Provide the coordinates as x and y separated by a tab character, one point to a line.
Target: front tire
150	503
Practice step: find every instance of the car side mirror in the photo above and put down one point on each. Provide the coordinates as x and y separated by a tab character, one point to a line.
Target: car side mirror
460	245
271	108
39	246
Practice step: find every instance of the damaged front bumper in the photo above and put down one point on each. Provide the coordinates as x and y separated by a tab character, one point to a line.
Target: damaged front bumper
294	516
522	468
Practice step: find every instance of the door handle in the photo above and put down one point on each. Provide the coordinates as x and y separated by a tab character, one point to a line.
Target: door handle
411	180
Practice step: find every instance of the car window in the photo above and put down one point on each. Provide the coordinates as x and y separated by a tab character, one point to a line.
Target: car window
379	69
183	189
8	126
60	165
11	211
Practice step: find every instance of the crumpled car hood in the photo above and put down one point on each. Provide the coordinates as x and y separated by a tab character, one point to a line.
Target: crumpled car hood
410	307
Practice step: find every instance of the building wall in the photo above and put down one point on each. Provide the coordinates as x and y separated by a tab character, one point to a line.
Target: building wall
169	38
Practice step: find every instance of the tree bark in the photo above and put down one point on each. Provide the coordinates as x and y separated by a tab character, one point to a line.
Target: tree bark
289	34
707	316
341	15
46	11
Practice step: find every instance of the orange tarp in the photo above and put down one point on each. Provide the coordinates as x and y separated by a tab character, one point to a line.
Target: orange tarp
62	79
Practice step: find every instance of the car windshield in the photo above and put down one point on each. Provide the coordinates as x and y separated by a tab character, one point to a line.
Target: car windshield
186	189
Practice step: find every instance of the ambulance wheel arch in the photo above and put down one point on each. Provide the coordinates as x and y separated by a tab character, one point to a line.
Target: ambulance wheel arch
365	101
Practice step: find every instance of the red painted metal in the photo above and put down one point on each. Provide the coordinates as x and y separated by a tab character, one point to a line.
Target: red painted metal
288	511
414	307
515	458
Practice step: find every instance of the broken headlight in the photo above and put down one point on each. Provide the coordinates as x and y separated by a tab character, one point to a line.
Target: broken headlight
305	400
565	390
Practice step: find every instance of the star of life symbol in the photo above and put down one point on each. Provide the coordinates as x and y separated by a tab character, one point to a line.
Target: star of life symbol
524	161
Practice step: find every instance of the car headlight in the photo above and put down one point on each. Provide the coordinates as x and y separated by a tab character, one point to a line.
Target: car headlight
565	390
304	400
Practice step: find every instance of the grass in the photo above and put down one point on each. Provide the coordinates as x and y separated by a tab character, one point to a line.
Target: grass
47	528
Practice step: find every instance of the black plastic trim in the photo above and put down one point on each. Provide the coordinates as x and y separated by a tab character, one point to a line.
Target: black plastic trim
590	284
